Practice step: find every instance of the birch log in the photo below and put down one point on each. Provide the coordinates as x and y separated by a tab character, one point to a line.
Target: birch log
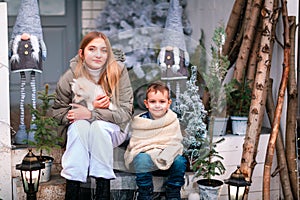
291	120
258	102
280	101
280	152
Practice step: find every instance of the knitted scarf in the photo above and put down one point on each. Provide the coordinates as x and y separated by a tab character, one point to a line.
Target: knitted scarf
160	138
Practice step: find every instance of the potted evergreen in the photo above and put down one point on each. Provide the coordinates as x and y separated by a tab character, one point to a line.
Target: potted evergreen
239	101
43	131
207	166
214	83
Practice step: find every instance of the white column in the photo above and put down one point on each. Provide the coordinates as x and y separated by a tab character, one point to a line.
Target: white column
5	139
293	9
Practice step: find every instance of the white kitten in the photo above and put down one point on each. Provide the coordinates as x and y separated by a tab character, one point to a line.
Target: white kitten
86	90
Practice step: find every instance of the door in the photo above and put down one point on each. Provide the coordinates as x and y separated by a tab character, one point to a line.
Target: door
61	31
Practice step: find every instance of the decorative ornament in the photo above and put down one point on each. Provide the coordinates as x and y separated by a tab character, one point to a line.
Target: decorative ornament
173	57
27	50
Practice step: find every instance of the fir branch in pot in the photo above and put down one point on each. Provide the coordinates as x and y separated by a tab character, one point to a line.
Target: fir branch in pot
43	125
209	163
239	101
215	75
238	98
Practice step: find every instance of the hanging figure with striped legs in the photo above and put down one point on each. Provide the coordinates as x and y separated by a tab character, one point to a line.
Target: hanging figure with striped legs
21	135
33	100
27	51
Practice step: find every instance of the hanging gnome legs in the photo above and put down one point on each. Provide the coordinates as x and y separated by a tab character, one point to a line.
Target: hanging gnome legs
21	135
33	101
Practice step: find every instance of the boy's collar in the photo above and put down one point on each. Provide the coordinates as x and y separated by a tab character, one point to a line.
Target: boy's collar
147	115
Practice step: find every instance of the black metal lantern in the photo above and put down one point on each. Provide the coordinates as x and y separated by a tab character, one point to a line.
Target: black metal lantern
30	173
237	185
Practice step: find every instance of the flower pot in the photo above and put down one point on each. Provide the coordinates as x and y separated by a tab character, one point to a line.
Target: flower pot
220	125
209	188
239	125
46	172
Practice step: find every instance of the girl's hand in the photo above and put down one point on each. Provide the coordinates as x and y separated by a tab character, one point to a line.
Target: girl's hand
78	112
101	101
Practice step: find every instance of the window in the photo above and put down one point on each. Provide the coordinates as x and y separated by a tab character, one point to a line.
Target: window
47	7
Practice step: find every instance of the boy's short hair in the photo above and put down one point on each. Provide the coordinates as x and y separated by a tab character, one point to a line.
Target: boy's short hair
157	86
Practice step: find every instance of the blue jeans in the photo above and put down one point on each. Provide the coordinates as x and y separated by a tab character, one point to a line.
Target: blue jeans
145	169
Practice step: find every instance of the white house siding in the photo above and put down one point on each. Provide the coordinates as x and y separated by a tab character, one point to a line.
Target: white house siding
231	150
90	11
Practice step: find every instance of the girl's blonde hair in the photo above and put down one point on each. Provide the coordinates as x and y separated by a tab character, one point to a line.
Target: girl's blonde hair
109	78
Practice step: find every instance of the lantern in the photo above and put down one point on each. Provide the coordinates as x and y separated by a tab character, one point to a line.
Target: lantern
236	185
30	172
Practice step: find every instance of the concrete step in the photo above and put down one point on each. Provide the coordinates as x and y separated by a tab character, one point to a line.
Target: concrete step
123	187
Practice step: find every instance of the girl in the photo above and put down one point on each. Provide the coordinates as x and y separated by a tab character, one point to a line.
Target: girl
92	135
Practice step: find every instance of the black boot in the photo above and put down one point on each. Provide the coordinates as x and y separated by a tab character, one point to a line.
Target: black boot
72	190
145	193
102	189
173	192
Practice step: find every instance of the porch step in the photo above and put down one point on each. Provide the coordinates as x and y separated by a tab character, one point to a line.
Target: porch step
122	188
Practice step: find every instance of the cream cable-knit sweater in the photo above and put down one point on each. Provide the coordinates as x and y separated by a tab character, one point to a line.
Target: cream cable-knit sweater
160	138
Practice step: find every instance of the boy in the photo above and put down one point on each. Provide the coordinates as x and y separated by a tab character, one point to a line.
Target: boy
155	145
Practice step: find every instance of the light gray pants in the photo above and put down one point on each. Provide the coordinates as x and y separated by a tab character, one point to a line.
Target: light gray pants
89	150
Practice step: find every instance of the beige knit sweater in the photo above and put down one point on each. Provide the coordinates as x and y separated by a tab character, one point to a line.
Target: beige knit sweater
160	138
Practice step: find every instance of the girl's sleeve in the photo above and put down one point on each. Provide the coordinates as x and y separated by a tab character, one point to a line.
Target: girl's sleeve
63	98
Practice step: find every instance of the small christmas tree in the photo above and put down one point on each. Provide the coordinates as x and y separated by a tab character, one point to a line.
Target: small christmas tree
43	125
199	148
193	118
